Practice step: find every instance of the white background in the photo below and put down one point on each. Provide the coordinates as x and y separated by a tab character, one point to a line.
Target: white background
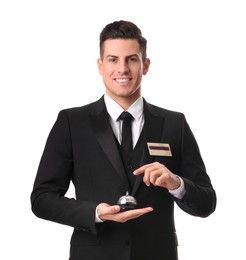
48	52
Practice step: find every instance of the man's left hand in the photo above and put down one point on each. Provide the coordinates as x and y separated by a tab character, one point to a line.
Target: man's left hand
158	175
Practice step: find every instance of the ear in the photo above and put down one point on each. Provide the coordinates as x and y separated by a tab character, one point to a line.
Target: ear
100	66
146	66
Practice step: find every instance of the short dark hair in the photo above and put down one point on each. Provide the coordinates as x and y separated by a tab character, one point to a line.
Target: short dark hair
123	30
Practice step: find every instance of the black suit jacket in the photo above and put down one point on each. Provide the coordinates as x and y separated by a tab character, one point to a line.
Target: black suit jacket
81	148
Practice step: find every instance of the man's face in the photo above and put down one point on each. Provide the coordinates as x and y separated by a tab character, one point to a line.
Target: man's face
122	69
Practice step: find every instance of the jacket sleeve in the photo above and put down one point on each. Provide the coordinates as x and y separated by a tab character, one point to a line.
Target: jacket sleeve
200	198
52	181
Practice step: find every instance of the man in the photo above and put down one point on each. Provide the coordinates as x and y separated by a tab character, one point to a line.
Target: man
84	146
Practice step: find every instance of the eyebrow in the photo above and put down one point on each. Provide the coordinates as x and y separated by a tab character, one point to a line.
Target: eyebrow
128	56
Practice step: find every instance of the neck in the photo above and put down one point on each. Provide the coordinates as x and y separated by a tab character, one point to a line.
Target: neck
125	102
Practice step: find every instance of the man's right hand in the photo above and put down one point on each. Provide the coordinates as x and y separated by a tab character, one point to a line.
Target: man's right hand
113	213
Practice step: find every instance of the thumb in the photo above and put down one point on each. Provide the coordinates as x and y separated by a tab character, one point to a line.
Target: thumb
104	209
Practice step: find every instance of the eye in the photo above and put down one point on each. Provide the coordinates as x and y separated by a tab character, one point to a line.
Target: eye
133	59
112	59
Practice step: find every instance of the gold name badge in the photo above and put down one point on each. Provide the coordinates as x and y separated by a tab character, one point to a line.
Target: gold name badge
159	149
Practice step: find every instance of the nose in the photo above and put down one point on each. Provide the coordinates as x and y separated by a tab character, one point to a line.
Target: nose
123	67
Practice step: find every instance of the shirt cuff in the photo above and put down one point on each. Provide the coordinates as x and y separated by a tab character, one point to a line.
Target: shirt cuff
97	219
180	191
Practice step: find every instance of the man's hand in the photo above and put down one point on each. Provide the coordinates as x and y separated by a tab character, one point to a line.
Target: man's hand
158	175
113	213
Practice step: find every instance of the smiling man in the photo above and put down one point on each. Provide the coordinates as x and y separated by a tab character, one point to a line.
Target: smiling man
122	66
163	165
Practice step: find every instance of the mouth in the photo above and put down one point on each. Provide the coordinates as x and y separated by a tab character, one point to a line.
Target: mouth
122	80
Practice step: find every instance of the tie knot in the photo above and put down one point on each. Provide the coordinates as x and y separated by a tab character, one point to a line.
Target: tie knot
125	116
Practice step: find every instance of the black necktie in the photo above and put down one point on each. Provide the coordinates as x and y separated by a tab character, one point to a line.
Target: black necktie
126	142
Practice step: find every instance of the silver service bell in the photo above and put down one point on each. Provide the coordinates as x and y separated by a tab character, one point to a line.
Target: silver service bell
127	202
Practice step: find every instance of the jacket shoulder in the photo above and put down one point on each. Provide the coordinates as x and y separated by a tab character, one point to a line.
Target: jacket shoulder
163	112
84	110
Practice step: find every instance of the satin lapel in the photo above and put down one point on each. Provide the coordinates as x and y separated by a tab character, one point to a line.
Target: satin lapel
153	129
105	137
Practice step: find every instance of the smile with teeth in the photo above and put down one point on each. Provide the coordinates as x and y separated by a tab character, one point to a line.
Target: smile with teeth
122	80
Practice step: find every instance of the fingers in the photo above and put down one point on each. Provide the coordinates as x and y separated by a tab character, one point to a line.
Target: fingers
142	169
104	209
113	213
135	213
146	169
131	214
158	175
151	172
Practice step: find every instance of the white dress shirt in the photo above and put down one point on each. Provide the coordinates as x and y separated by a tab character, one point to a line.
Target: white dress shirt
115	110
136	110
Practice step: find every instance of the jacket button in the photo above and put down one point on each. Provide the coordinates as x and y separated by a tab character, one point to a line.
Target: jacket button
129	167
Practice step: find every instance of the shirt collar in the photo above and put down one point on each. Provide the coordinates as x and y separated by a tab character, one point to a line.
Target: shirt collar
114	109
